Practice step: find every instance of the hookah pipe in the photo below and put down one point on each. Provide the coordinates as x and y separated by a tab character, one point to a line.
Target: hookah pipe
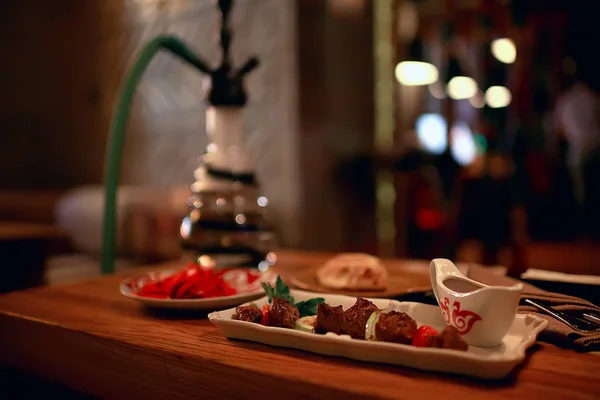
226	90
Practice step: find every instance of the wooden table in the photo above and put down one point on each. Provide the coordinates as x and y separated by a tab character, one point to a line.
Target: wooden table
90	338
23	250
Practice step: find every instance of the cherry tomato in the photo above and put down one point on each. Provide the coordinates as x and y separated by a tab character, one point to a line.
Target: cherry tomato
265	315
423	333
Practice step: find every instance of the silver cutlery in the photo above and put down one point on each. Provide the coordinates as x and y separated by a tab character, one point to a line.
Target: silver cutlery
579	320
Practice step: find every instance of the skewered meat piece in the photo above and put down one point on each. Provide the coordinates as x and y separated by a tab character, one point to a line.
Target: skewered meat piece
394	326
283	314
356	317
249	313
448	338
329	319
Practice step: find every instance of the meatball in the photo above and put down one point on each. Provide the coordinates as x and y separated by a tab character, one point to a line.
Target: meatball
448	338
329	319
356	317
394	326
249	313
283	314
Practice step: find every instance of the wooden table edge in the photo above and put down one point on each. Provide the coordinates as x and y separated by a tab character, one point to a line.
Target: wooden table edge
116	361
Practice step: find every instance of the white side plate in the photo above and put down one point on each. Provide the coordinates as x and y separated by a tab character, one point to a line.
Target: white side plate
487	363
210	304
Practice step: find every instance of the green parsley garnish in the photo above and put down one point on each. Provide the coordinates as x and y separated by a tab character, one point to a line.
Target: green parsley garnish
282	291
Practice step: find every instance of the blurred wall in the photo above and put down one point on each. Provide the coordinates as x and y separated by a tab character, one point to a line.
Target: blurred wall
336	112
61	67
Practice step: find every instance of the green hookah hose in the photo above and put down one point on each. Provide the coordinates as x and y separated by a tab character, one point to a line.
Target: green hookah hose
116	138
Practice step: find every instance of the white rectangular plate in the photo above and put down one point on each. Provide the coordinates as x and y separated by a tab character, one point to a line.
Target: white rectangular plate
486	363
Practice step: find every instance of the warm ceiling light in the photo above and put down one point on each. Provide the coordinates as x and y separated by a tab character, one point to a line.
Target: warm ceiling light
461	87
416	73
504	50
498	97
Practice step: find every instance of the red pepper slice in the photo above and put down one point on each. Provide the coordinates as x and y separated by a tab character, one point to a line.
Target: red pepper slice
227	290
171	283
252	277
156	295
190	282
151	288
191	265
186	289
266	316
215	292
222	289
206	287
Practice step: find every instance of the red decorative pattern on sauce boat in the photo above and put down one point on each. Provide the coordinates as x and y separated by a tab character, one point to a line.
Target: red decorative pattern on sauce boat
463	320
